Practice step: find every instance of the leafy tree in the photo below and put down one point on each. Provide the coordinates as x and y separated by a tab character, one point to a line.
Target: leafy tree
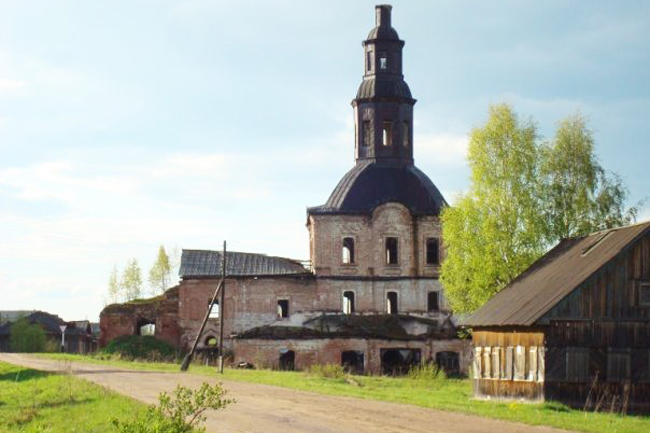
114	287
492	233
132	280
581	196
160	273
26	337
524	196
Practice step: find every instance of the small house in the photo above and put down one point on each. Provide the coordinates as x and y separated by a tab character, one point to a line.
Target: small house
574	327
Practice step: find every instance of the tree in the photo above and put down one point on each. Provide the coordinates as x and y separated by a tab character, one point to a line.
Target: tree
581	196
492	233
524	196
26	337
114	287
160	272
132	280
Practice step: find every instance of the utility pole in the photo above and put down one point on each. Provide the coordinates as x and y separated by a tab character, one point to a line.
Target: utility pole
222	307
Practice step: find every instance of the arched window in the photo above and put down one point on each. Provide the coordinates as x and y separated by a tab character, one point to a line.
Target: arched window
391	302
391	251
347	252
348	302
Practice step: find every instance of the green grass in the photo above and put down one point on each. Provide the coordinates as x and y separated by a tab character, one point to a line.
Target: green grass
446	394
35	401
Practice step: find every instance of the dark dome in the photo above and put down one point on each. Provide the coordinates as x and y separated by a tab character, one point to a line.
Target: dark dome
371	184
384	33
374	88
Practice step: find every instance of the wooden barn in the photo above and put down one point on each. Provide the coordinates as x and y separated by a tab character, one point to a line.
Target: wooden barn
574	327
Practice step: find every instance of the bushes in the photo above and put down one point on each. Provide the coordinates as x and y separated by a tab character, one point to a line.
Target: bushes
27	338
428	372
328	371
180	412
143	347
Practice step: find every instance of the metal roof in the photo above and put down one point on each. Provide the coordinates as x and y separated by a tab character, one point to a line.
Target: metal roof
205	263
551	278
371	184
385	87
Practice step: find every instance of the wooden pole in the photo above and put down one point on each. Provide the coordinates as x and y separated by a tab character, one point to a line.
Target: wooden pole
222	309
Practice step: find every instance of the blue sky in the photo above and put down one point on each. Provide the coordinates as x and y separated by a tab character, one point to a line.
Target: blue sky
129	124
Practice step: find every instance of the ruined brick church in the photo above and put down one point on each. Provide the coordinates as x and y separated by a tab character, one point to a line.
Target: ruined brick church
371	299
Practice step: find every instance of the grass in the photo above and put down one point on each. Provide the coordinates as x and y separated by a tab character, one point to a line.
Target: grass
37	401
420	389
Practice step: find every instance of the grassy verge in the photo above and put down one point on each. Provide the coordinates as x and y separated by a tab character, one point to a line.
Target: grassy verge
36	401
448	394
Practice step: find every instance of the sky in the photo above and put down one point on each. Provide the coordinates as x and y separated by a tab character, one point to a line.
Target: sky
126	125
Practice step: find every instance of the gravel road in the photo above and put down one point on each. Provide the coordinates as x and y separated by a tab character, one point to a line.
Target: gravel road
269	409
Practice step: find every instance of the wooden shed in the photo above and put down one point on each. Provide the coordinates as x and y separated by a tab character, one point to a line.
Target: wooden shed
574	327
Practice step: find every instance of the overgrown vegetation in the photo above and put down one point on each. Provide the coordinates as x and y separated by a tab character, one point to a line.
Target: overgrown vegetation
26	337
181	412
36	401
139	347
423	388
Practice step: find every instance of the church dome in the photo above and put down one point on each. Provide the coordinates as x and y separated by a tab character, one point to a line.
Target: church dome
370	184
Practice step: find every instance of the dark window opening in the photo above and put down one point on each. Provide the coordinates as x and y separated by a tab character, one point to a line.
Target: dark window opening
369	61
287	360
448	362
406	138
396	362
145	327
387	133
211	341
283	308
348	302
433	301
618	365
348	251
391	251
433	251
383	61
367	133
352	361
214	313
644	295
391	302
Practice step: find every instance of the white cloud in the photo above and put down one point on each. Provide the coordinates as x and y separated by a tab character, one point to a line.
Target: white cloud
6	85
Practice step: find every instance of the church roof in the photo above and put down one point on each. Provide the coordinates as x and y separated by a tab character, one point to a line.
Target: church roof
371	184
372	88
205	263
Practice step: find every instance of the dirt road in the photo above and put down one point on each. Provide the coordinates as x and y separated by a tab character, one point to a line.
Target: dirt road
269	409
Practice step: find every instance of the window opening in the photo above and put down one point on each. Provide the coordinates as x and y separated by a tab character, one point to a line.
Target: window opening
520	363
283	308
577	364
211	341
396	362
367	133
348	251
433	251
369	61
352	361
433	301
405	134
532	363
348	302
448	362
618	365
644	295
391	251
287	360
487	365
478	367
214	313
146	327
387	133
383	61
391	302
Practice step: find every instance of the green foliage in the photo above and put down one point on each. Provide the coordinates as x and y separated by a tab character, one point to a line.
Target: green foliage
132	280
524	196
140	347
160	272
114	287
328	371
181	412
26	337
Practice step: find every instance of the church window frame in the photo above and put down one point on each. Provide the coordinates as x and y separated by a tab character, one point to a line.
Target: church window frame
387	133
348	251
392	302
391	250
366	130
432	245
348	302
383	61
406	134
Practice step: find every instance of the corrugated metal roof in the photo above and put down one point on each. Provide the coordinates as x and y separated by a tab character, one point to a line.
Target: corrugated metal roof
547	281
384	87
205	263
371	184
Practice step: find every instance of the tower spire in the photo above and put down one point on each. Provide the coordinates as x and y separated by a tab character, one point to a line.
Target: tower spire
383	107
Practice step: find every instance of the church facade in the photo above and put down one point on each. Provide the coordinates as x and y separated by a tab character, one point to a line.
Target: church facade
370	299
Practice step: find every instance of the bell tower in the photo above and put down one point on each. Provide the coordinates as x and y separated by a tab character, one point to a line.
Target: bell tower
383	107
